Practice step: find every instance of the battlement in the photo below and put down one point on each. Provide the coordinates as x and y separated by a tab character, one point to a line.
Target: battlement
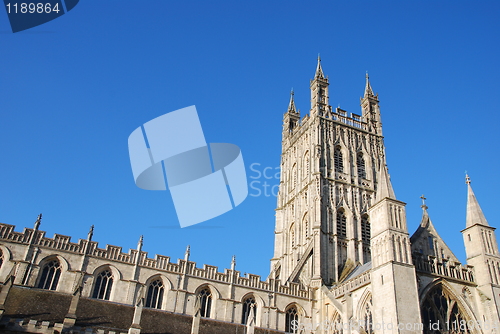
443	267
159	262
340	115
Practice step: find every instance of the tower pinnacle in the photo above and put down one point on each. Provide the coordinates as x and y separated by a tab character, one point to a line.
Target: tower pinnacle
368	87
291	105
319	70
384	185
474	213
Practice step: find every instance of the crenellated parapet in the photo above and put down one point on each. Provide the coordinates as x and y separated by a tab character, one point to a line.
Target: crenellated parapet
159	262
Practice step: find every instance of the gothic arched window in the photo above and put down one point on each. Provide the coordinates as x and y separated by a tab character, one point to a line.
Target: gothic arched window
306	164
365	229
205	296
50	275
360	162
248	305
154	297
341	223
337	327
292	235
103	285
294	176
441	310
338	160
292	320
367	317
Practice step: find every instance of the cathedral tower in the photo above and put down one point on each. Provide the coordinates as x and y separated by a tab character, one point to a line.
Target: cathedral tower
329	166
481	248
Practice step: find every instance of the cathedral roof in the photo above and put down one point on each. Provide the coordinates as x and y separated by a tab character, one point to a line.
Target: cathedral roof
360	269
421	242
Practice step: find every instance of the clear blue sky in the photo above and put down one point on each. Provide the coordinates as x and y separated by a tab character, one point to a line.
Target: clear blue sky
72	91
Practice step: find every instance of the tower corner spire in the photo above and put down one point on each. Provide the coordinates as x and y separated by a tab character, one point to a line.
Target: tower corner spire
384	189
291	105
475	214
368	87
319	70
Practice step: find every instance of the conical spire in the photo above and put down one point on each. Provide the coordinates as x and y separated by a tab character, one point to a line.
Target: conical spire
384	185
368	87
291	105
319	70
474	213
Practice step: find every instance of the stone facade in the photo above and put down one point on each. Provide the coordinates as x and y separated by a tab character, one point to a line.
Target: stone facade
343	263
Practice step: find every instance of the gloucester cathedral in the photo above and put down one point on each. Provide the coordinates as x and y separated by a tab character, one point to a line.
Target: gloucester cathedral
344	261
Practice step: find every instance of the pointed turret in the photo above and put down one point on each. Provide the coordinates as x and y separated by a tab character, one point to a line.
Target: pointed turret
368	88
291	118
291	105
384	185
391	259
319	70
319	92
370	108
474	213
481	248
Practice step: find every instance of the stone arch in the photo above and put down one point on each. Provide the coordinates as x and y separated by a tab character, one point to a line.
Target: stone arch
149	290
50	273
108	282
294	316
307	164
306	226
364	311
7	263
214	296
439	302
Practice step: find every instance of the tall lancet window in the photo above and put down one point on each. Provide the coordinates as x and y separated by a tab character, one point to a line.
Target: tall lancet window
341	223
248	305
292	320
338	160
154	297
205	296
360	161
367	318
365	229
103	285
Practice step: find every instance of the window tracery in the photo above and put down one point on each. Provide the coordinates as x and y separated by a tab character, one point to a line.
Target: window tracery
291	320
103	285
205	296
248	305
441	313
50	275
154	297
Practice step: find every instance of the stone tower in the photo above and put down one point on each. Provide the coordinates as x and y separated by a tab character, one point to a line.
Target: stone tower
329	171
481	248
394	281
